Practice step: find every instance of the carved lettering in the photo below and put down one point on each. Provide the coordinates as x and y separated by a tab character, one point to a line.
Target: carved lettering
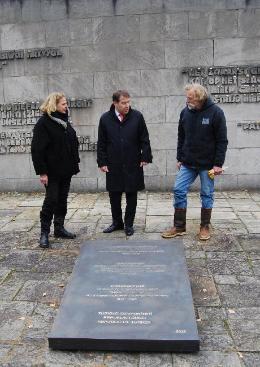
249	125
19	141
27	113
234	84
22	114
6	56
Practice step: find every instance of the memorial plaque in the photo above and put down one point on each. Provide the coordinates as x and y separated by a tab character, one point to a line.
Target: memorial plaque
128	296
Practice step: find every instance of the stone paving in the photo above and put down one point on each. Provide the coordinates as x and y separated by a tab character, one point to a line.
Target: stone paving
224	274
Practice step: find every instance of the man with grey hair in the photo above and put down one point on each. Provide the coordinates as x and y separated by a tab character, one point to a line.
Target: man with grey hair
202	145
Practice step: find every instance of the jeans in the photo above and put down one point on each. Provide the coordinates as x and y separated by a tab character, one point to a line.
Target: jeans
185	177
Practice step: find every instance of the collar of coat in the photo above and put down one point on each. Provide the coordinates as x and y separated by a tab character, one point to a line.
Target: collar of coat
58	121
112	109
61	118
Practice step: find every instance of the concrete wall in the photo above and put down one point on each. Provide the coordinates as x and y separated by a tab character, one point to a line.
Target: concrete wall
139	45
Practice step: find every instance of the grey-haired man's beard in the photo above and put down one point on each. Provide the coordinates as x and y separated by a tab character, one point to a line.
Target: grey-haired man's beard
191	106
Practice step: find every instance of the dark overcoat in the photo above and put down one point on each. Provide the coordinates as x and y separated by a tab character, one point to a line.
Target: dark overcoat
122	146
54	149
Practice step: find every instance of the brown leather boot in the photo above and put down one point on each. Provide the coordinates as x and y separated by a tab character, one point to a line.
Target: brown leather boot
204	225
179	224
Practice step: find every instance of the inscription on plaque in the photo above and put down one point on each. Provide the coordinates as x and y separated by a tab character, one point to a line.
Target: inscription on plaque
134	318
233	84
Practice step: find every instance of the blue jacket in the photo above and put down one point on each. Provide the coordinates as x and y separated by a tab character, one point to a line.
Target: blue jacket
202	137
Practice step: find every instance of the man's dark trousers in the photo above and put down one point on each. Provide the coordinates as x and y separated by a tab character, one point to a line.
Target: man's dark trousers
115	202
55	202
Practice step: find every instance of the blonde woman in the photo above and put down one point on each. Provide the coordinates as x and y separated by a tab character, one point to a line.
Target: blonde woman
56	159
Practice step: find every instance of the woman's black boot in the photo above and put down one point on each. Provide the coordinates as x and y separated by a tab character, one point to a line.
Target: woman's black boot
44	239
59	230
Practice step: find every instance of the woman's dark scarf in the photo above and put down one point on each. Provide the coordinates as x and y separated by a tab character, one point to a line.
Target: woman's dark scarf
60	118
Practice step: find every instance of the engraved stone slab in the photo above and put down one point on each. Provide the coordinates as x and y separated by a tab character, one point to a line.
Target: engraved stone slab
128	296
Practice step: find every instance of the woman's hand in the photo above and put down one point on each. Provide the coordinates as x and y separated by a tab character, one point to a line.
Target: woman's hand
104	169
44	179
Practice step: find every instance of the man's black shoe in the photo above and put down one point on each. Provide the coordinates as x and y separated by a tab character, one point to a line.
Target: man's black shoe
44	240
63	233
113	227
129	231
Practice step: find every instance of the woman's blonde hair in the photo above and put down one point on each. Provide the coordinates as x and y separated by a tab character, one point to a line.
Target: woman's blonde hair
50	103
200	92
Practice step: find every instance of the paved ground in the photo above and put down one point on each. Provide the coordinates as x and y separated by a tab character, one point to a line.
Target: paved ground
224	274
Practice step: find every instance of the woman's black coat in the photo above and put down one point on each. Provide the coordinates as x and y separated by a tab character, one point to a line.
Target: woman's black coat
54	149
122	146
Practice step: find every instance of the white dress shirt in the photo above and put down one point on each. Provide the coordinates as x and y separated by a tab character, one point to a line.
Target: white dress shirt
119	116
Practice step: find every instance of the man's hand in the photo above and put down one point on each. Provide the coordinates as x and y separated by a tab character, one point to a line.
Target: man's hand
179	165
104	169
217	170
143	164
44	179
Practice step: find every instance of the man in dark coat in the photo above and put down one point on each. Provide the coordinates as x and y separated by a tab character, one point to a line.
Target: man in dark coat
123	149
201	150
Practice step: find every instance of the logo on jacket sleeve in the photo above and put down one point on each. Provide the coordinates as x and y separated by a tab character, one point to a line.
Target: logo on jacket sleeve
205	121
